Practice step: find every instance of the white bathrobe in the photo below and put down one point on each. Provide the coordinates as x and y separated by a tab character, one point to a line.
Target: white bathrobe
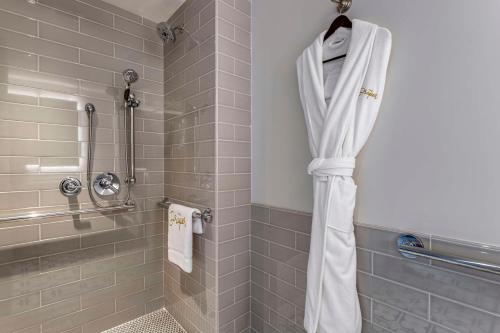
340	108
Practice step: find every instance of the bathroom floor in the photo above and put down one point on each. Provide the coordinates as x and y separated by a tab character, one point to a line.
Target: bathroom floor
159	321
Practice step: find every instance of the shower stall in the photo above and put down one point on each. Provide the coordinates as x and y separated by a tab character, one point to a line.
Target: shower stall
105	113
112	110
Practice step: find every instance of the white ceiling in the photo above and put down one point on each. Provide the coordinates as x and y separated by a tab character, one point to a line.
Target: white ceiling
155	10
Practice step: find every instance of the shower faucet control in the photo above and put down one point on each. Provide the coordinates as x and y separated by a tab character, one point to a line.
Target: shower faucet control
107	184
70	187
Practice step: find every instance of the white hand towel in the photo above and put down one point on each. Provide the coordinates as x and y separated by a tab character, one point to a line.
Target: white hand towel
181	227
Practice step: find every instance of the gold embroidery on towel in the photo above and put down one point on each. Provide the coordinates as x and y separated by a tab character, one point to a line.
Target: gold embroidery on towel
368	93
176	219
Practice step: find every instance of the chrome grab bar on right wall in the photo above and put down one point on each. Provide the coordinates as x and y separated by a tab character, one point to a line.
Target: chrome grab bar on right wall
412	247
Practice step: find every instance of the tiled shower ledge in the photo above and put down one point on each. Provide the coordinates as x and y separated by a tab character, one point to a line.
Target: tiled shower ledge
159	321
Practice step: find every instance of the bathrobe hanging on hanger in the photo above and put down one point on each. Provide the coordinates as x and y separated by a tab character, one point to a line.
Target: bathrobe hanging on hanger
340	108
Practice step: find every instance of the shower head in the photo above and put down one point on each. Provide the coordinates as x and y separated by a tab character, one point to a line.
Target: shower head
167	32
130	76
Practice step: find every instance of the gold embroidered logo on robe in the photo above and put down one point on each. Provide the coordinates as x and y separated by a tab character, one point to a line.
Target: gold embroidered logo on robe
176	219
368	93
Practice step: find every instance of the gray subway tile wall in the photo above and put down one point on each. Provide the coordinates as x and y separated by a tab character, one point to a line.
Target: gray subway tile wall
233	159
207	161
89	273
189	168
397	295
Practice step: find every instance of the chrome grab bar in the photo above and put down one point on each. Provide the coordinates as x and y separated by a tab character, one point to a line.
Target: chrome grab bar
205	215
42	215
412	247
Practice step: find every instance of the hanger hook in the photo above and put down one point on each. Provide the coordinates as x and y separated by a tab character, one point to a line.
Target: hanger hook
343	5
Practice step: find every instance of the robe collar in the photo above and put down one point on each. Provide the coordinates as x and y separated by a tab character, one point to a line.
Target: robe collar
356	31
360	31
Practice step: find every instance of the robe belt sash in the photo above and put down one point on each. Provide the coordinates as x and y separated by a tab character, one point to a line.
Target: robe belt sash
324	167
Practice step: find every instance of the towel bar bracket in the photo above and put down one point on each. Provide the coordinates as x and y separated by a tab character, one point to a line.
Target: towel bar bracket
205	215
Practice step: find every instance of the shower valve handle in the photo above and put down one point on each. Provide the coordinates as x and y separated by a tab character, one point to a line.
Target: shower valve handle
107	183
70	187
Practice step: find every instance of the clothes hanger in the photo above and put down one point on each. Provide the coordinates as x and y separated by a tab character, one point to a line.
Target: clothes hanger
340	21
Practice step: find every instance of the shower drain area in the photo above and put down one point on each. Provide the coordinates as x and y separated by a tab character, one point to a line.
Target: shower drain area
159	321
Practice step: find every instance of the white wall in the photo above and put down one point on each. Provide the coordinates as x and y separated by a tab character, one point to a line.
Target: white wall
432	163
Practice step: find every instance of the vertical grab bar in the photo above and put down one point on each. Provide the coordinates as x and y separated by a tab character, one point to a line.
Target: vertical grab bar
130	76
132	143
131	103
